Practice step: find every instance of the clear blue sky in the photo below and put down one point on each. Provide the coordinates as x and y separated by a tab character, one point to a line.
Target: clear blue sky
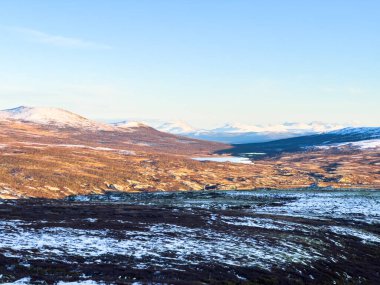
202	61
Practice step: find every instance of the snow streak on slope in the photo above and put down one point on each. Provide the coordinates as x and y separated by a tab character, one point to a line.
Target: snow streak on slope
372	132
375	143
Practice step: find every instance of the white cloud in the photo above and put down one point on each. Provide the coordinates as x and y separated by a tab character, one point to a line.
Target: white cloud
57	40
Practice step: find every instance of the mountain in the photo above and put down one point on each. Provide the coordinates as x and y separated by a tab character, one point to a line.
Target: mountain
52	117
270	139
176	127
242	133
337	138
364	144
59	126
53	153
172	127
365	132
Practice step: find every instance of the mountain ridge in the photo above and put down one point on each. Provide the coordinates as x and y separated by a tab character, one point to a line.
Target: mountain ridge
302	143
314	133
52	116
233	133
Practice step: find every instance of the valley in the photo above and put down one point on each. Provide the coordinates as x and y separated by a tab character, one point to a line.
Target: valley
207	142
55	160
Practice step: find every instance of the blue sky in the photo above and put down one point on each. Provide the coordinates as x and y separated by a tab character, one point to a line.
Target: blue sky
203	61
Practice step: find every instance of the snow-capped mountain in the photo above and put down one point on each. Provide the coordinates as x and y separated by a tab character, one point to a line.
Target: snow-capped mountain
243	133
130	124
175	127
228	133
363	137
368	132
314	127
172	127
364	144
51	117
237	133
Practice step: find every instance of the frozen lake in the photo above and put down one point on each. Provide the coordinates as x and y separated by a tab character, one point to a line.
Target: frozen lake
233	159
303	236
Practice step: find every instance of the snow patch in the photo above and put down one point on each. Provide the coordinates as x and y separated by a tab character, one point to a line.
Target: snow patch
164	245
22	281
233	159
365	144
374	131
86	282
364	236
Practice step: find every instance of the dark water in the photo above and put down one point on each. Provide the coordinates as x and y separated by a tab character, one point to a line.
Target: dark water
267	237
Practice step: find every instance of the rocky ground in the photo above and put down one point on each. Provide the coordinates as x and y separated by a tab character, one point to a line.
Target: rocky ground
253	237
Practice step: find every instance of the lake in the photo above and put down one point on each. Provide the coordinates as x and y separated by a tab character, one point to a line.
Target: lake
263	236
233	159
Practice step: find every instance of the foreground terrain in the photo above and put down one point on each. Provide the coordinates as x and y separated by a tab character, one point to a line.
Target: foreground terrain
238	237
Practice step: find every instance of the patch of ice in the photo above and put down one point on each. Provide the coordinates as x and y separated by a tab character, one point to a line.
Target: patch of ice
233	159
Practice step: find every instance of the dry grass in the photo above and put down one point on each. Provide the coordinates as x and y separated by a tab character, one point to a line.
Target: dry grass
35	164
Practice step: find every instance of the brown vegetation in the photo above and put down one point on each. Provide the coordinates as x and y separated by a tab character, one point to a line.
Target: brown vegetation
43	162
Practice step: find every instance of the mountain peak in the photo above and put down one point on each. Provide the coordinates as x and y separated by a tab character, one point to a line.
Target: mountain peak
50	116
176	127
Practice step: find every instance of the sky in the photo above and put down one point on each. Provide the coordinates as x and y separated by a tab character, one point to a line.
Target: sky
205	62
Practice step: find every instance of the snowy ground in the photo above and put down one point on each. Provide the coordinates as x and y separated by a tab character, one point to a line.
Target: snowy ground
233	159
365	144
172	237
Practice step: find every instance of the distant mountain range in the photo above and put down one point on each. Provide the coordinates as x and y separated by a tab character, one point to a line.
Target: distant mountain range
239	133
50	152
270	139
349	137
